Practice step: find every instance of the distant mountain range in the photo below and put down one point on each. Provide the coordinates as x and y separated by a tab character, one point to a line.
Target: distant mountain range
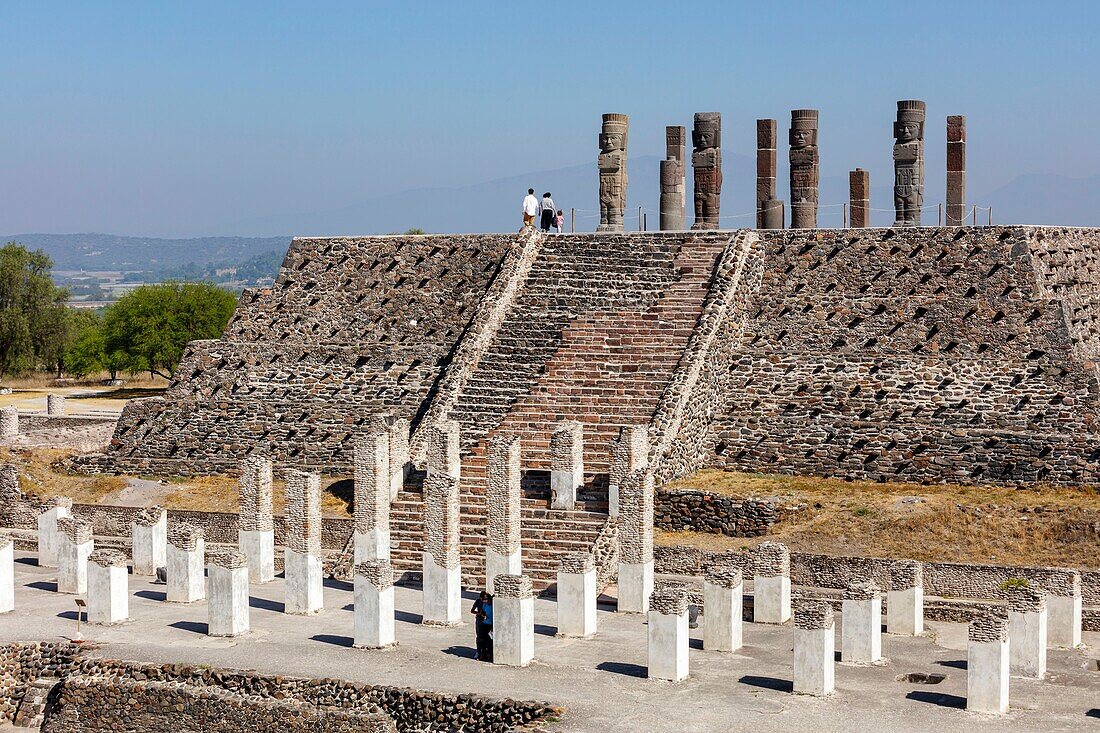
495	206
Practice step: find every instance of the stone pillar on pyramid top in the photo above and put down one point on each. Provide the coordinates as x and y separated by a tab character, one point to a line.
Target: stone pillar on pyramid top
859	195
673	186
956	170
611	164
766	204
49	535
577	594
302	565
227	594
668	634
149	541
861	623
9	422
987	665
905	599
636	541
256	532
804	168
7	574
513	621
186	563
723	608
814	648
399	458
74	546
566	464
55	405
629	451
1063	608
372	495
445	448
503	499
442	569
771	581
706	163
1027	631
374	604
909	163
108	588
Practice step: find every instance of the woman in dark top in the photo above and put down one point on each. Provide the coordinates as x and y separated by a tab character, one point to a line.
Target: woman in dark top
483	625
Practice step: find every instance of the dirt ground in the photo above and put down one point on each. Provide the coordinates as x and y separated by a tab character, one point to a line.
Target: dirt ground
999	524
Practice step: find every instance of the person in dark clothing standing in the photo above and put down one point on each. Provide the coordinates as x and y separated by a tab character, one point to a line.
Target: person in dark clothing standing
546	207
483	625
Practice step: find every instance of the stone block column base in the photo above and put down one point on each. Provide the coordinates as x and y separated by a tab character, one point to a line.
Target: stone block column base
374	616
108	594
149	547
1064	621
1027	643
304	587
814	661
905	611
577	604
259	548
771	599
723	613
497	564
72	565
49	536
987	669
668	646
186	579
7	577
635	587
513	631
442	596
228	601
861	631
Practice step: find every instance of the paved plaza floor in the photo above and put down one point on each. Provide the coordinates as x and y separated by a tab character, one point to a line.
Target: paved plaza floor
600	681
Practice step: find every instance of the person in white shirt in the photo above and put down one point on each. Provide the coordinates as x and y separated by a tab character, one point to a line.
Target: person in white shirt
548	211
530	208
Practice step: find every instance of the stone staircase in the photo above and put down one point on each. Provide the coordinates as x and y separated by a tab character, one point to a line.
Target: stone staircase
32	709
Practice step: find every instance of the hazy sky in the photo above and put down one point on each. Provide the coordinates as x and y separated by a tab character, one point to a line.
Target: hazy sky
178	119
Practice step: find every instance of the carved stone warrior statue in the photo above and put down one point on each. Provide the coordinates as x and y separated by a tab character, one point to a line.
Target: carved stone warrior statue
706	159
804	171
612	165
673	197
909	163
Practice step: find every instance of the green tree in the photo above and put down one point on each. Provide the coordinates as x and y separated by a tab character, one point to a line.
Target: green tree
149	327
83	352
32	309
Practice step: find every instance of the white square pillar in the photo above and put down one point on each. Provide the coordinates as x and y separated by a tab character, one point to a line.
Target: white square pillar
442	593
108	588
149	541
577	595
635	586
186	555
566	464
905	599
442	569
227	594
74	547
814	648
48	532
723	608
668	634
1027	631
987	666
374	607
7	574
304	588
1064	609
513	621
258	546
771	584
861	624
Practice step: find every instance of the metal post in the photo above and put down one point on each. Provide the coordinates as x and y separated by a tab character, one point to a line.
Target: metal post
639	218
572	220
941	215
844	213
974	216
645	222
990	216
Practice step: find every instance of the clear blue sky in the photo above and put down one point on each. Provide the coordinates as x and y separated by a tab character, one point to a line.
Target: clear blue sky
177	118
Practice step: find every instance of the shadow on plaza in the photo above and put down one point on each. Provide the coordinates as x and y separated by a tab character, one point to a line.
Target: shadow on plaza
266	605
43	585
623	668
406	617
953	663
466	652
334	639
152	595
768	683
937	698
195	627
1094	713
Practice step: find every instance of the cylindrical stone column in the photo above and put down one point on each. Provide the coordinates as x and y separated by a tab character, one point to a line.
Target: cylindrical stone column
513	621
723	604
814	648
256	529
74	546
766	136
55	405
636	542
1027	631
629	452
861	624
399	455
374	605
149	541
577	594
987	665
186	557
7	574
108	588
503	555
774	214
566	464
441	563
859	193
668	634
673	185
302	571
956	170
9	422
905	599
771	584
373	484
48	532
1064	609
227	594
